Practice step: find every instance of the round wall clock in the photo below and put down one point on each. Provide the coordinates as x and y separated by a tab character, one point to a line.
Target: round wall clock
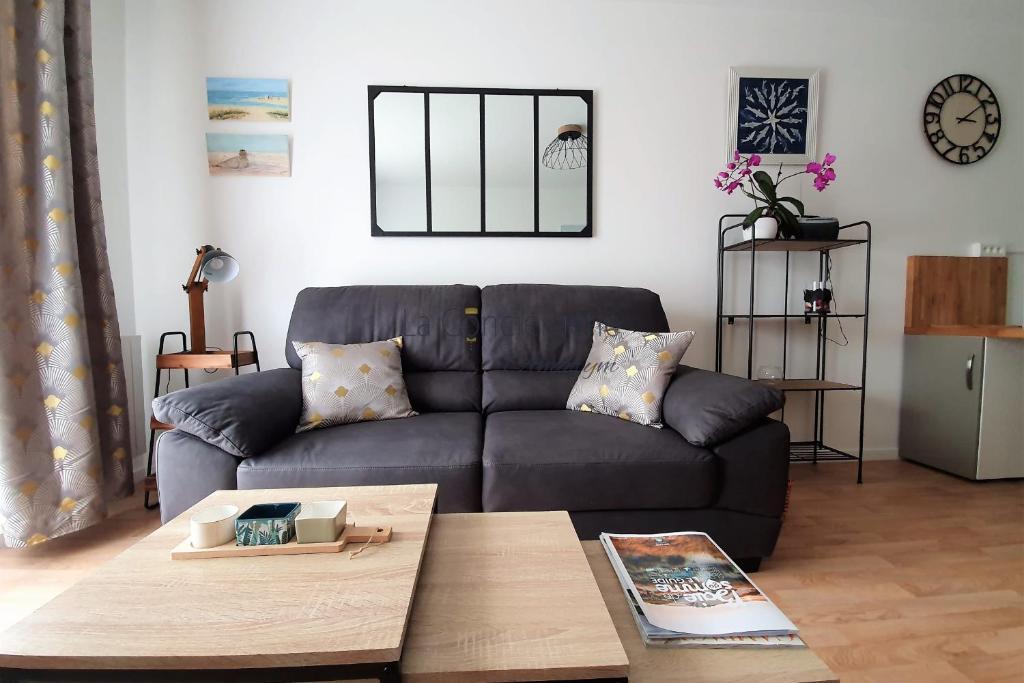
961	119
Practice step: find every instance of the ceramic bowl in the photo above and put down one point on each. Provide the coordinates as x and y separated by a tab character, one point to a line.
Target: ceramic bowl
267	524
321	521
213	526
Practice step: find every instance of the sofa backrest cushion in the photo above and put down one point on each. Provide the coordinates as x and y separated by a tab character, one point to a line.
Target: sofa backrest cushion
438	325
529	330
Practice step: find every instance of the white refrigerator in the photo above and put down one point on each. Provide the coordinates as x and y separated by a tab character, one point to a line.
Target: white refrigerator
962	408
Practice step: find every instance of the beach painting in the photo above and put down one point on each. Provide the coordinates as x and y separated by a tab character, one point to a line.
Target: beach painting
259	155
248	99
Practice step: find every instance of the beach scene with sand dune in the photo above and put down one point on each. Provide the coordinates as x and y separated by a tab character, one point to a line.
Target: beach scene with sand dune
252	155
248	99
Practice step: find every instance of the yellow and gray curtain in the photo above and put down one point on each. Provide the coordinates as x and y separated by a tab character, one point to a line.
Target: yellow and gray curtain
63	414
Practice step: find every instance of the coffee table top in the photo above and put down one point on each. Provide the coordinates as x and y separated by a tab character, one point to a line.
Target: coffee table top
143	610
508	596
701	665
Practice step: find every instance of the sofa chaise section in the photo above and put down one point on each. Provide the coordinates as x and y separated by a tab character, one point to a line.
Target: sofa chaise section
562	459
442	448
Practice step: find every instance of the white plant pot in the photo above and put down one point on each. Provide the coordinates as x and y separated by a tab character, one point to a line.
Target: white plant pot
764	228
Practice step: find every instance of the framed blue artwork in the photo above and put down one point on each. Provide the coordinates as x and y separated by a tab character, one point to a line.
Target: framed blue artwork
773	113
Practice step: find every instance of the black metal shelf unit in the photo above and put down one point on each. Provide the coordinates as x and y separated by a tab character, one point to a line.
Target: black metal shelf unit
815	449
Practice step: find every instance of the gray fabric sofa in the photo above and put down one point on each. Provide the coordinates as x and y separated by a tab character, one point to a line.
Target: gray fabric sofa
490	371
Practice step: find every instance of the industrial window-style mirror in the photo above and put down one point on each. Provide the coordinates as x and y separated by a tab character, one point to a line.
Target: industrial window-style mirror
480	162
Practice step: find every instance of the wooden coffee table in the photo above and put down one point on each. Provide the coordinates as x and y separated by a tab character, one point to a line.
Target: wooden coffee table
514	596
143	616
508	596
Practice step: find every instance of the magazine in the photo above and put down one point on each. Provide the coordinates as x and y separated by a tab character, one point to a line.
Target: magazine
683	586
659	637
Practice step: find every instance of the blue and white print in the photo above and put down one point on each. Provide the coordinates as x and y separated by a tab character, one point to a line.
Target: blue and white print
773	116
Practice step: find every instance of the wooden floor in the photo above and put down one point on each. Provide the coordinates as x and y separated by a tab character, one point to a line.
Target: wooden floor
913	576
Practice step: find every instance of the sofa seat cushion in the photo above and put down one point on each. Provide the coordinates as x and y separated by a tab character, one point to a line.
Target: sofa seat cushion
441	448
565	460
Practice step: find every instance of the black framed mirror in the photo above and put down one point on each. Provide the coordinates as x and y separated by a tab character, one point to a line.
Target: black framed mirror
480	162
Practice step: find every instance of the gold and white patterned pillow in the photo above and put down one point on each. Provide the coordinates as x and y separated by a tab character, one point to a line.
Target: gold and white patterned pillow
627	373
345	383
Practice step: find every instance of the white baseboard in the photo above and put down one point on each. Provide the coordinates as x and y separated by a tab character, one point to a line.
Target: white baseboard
881	454
139	467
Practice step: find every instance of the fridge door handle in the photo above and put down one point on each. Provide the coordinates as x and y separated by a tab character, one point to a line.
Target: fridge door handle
969	373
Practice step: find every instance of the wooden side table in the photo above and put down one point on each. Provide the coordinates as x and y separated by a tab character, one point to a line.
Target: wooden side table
187	360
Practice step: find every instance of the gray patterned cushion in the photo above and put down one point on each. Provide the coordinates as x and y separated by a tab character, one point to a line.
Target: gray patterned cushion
627	372
344	383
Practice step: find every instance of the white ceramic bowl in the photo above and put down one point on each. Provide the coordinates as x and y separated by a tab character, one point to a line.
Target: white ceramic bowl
321	521
213	526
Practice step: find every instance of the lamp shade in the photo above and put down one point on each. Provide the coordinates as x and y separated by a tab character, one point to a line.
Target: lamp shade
218	266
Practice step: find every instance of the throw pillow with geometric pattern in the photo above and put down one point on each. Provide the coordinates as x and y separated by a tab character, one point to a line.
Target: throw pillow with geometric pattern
627	373
344	383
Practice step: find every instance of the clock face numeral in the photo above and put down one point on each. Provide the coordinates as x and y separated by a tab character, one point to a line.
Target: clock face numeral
962	119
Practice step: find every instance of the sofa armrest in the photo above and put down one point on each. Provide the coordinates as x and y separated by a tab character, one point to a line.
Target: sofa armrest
188	470
754	468
708	407
242	415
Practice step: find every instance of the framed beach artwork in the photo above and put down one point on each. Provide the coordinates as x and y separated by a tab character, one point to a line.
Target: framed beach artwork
258	155
248	99
773	113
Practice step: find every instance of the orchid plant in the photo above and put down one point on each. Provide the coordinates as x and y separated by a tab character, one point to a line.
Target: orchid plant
740	174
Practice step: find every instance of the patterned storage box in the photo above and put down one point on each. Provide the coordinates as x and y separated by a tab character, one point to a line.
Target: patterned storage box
267	524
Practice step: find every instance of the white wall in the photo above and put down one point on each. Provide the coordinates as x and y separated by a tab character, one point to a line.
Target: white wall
659	72
108	60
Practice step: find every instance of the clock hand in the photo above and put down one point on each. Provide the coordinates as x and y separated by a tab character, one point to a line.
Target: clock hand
961	119
965	119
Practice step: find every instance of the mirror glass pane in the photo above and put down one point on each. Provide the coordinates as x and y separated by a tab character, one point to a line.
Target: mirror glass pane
508	137
563	191
401	177
455	162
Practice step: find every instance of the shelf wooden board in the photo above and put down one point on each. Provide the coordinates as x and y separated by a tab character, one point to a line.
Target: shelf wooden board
997	331
761	316
792	245
157	424
233	613
709	665
808	385
204	361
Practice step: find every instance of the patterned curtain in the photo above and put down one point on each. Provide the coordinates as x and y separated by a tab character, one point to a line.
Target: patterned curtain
64	439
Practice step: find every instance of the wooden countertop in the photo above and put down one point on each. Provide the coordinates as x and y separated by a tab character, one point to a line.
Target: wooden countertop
998	331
